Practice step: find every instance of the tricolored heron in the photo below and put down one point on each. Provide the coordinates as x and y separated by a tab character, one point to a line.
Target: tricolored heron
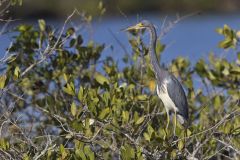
169	89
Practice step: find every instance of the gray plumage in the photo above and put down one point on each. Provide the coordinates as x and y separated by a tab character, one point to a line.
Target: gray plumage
176	93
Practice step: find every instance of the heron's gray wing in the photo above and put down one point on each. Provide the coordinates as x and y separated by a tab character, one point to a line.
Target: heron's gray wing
176	93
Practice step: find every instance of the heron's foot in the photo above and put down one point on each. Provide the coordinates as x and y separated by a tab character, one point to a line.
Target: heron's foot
174	138
173	141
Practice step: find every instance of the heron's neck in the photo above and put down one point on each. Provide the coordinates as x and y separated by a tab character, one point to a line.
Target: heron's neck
159	71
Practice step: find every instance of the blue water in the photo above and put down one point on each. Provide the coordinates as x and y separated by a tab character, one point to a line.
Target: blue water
193	37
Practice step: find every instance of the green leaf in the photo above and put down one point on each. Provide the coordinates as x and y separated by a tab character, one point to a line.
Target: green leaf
80	154
70	31
201	68
89	153
104	113
160	47
146	136
2	81
236	70
227	128
135	116
63	151
4	144
104	144
127	152
162	133
130	151
69	89
189	83
125	116
65	77
26	157
140	156
73	109
42	24
219	30
72	42
173	154
16	72
189	133
142	97
180	144
211	76
226	29
150	130
225	71
101	79
217	101
140	120
23	28
76	125
80	94
227	43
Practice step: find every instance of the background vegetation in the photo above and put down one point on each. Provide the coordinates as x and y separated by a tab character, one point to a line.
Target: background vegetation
59	8
58	100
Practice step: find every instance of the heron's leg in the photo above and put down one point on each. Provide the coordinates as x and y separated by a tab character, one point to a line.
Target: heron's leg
185	136
175	123
168	120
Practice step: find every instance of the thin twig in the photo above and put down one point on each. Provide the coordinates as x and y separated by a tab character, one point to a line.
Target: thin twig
48	51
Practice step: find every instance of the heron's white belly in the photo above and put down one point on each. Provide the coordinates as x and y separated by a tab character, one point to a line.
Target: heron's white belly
163	95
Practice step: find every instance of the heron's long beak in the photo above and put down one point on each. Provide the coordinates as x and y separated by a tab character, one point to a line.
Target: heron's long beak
135	27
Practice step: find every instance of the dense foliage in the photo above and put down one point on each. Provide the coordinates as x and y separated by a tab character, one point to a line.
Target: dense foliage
60	101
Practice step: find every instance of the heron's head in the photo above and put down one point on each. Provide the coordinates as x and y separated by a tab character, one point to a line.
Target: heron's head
142	25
